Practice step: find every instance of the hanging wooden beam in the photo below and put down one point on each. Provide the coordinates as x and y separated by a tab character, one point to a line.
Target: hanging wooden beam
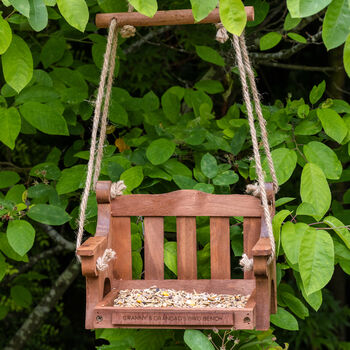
161	18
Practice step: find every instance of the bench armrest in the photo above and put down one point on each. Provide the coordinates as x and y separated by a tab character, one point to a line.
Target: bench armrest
262	247
89	252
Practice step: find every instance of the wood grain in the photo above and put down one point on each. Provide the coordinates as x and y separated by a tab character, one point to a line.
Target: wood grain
251	234
161	18
186	203
120	242
186	248
220	248
154	248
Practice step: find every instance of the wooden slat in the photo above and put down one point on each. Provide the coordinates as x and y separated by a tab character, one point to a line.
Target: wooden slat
154	248
186	248
172	17
251	234
220	248
120	236
186	203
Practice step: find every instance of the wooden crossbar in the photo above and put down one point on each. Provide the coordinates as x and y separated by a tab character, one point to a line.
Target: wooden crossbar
161	18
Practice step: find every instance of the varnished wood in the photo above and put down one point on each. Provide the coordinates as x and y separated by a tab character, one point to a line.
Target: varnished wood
103	191
251	234
154	248
186	203
220	248
186	248
115	232
161	18
120	237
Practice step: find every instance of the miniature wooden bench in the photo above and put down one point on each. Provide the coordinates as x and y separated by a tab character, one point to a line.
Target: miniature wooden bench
114	231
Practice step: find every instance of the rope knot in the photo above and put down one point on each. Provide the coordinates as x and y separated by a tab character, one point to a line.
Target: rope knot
127	31
102	261
221	34
117	189
246	263
254	190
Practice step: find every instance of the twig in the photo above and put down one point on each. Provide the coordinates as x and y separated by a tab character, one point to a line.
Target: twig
55	236
41	311
298	67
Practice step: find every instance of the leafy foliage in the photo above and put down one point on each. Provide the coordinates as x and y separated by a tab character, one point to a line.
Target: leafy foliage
176	122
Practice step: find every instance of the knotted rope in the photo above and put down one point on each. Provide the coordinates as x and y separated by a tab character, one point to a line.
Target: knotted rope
258	189
96	148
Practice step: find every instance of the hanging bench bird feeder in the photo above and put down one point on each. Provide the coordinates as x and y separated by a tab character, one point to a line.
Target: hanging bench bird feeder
113	235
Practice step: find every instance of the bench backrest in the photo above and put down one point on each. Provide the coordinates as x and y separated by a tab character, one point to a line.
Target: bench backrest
185	205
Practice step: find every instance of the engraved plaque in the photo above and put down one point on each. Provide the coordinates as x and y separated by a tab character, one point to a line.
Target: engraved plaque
188	318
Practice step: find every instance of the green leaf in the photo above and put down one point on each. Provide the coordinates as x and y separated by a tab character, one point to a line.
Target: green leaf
323	156
37	93
52	51
233	16
5	35
8	178
297	37
316	260
317	92
339	228
184	182
17	64
285	161
171	103
281	201
239	139
336	24
146	7
22	6
201	9
208	54
208	188
210	86
15	194
291	237
295	305
112	5
313	299
170	256
132	177
21	296
38	16
137	265
49	171
10	126
48	214
117	114
285	320
346	55
306	8
44	117
20	235
270	40
159	151
290	23
71	179
174	167
75	12
308	127
333	125
228	177
276	225
314	189
196	340
209	166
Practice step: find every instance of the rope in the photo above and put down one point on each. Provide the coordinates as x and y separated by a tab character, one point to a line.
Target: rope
96	148
128	31
243	69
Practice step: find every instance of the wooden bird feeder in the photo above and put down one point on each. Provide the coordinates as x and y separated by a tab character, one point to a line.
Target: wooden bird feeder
114	231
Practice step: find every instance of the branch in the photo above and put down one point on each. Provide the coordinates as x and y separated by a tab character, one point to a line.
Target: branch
32	261
284	54
41	311
55	236
297	67
146	38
